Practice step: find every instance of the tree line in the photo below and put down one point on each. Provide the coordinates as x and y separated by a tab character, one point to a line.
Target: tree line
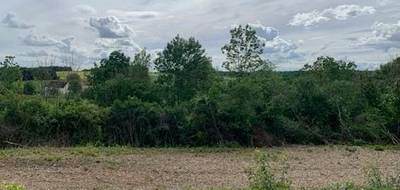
188	103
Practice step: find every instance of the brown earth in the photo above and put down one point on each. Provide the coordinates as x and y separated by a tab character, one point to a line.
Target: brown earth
123	168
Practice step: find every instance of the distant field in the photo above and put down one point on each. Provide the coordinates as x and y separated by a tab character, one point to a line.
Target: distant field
63	74
198	168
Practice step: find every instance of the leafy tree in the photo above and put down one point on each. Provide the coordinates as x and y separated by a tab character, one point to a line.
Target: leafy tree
73	76
75	84
29	88
184	69
133	80
139	68
329	68
142	58
204	122
9	70
116	64
244	51
75	87
390	71
389	74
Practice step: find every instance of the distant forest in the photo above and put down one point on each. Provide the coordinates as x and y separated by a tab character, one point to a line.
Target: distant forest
186	102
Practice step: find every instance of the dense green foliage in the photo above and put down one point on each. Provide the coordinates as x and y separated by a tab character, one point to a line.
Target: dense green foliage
184	70
42	73
188	103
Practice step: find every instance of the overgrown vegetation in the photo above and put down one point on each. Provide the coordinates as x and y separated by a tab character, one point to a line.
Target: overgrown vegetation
263	177
188	103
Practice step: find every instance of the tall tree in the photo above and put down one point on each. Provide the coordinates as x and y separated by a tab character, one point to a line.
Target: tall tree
118	79
244	51
142	58
116	64
332	69
9	70
184	68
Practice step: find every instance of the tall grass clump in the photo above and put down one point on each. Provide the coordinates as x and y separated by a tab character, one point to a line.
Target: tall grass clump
262	177
376	180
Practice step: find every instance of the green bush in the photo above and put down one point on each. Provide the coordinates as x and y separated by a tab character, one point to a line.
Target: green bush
35	121
29	88
76	122
137	123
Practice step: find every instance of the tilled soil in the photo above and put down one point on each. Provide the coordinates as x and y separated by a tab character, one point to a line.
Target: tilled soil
191	169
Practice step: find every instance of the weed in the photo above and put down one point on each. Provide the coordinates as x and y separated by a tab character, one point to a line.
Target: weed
351	149
12	186
262	177
377	181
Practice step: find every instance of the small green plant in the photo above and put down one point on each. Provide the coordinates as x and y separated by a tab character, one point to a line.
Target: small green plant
376	181
342	186
12	186
262	177
351	149
379	148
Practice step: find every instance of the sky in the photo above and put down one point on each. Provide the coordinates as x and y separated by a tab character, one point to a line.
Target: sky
295	32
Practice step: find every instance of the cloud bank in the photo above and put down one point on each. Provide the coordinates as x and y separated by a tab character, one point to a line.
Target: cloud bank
382	36
12	21
276	48
110	27
342	12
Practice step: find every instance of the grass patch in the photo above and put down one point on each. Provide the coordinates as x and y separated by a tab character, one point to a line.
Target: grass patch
12	186
63	74
54	153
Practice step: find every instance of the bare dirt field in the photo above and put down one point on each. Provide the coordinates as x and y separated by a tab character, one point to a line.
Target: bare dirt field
199	168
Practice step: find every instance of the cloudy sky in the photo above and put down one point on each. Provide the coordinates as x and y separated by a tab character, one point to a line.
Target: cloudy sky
40	32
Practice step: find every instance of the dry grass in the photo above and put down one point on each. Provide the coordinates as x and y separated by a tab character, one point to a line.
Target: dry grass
199	168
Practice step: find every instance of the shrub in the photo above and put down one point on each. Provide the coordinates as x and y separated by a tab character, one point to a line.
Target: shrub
73	76
75	87
133	122
34	121
76	122
75	84
262	177
29	88
377	181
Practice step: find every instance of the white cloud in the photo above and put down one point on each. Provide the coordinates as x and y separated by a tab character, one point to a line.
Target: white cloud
111	27
85	9
344	12
341	12
36	40
383	3
308	19
268	33
383	36
387	31
115	43
133	14
63	46
34	53
12	21
276	48
106	46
